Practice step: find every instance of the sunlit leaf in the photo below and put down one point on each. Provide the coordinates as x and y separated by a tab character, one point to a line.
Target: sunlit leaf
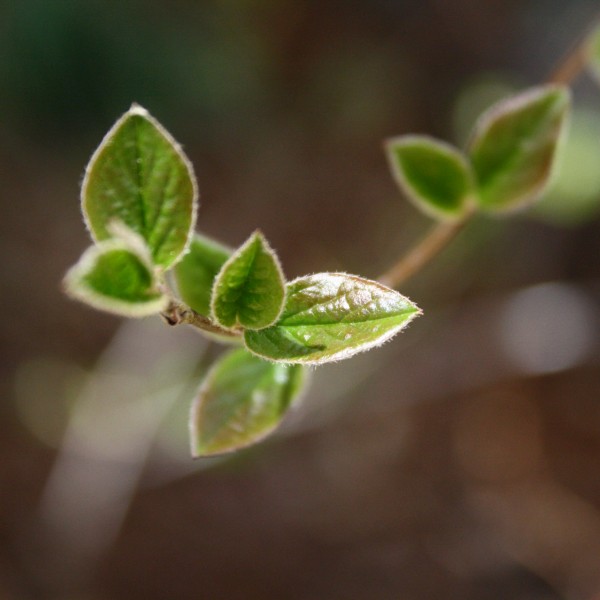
140	177
331	316
514	145
242	400
114	278
196	272
435	176
250	288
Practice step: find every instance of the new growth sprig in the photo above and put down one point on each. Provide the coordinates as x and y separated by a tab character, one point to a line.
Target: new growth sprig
140	200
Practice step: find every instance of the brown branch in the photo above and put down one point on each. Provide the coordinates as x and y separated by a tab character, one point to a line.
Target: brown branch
180	314
574	61
439	236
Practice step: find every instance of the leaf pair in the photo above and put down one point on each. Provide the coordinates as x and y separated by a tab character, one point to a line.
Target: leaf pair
507	166
139	201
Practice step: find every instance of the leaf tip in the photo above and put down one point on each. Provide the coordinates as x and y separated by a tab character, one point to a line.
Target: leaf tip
137	109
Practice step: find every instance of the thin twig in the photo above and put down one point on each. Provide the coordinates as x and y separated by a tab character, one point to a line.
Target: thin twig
436	239
180	314
574	61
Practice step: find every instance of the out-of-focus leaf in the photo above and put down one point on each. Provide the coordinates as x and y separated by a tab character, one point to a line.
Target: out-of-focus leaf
140	177
242	400
573	197
435	176
331	316
196	272
249	291
593	54
514	145
114	278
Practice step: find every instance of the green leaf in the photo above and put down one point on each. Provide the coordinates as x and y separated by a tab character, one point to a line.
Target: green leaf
434	175
331	316
593	53
514	145
242	400
140	177
196	272
250	288
113	277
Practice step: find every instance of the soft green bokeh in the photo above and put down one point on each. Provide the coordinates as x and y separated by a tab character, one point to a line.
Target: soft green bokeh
514	146
140	176
331	316
433	174
250	288
243	399
476	96
196	272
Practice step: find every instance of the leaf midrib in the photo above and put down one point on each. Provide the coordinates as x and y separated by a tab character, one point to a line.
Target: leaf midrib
332	299
281	323
254	248
138	175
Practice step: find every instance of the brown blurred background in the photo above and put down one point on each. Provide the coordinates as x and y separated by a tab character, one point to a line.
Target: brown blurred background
460	461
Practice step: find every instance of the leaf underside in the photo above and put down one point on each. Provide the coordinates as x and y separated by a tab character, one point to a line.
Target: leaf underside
331	316
242	400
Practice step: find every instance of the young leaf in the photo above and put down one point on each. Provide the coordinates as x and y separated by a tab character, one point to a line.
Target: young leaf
514	145
140	177
250	288
331	316
593	53
196	272
113	277
242	400
435	176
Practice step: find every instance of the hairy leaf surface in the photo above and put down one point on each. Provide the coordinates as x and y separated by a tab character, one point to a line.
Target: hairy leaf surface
140	177
114	278
249	290
331	316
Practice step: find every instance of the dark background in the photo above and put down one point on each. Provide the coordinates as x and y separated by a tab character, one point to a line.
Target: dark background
460	461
